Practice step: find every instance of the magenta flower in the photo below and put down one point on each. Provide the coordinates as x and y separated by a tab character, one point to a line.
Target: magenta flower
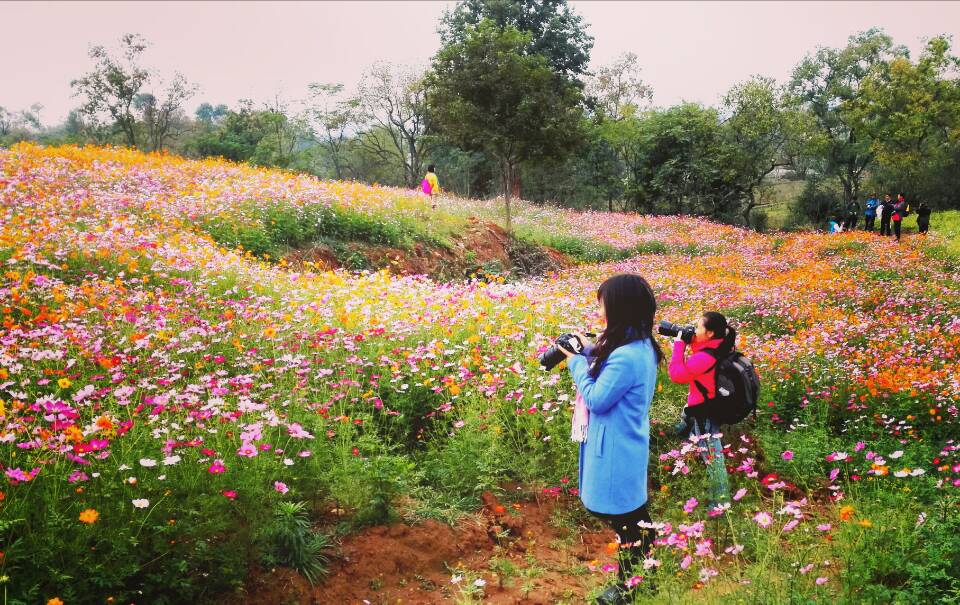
217	467
787	455
281	487
690	505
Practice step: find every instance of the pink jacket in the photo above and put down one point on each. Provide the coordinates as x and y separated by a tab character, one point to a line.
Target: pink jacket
698	367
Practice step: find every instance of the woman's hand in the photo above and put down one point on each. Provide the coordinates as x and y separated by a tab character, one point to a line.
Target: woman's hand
679	338
587	343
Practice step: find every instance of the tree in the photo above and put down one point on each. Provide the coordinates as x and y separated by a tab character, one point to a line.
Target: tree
210	116
681	163
6	121
556	32
333	117
160	117
912	112
616	91
827	84
762	128
114	85
393	98
489	95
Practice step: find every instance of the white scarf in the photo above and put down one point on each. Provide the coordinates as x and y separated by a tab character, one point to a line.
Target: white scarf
581	420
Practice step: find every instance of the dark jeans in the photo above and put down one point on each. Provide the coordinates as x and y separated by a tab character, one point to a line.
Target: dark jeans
850	223
635	541
885	225
868	222
923	226
896	229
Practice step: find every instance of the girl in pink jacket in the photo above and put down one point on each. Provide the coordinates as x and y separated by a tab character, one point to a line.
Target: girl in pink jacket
713	340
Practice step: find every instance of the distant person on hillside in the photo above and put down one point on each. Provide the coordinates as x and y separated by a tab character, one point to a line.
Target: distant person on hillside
870	212
616	380
900	210
886	211
853	214
923	218
430	183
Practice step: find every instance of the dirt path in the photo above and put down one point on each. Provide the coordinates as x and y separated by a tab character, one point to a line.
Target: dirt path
525	553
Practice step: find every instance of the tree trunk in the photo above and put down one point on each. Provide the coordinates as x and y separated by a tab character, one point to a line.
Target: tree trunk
507	177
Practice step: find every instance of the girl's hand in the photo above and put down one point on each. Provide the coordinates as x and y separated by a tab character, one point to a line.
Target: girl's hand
586	341
679	338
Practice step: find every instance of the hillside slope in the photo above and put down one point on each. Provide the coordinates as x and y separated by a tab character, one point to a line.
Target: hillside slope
179	407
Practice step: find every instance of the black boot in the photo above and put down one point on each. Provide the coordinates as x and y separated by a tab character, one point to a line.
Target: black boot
616	594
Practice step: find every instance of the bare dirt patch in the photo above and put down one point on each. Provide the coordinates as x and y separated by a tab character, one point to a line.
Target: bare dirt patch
482	246
519	550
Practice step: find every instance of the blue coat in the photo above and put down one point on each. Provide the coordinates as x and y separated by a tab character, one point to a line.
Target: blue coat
613	460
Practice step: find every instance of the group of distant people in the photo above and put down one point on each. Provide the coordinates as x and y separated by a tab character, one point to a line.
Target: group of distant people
891	214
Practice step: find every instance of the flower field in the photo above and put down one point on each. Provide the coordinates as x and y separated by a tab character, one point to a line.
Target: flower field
171	397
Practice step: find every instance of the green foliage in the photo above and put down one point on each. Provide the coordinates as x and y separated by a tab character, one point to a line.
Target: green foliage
280	228
817	203
827	85
288	540
555	31
912	112
489	95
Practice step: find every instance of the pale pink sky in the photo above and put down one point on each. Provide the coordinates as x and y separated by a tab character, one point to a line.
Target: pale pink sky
689	50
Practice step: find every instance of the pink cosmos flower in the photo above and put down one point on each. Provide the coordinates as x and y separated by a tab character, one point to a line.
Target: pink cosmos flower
280	487
686	562
740	494
217	468
821	581
229	493
763	519
690	505
248	450
787	455
631	582
806	568
791	525
824	527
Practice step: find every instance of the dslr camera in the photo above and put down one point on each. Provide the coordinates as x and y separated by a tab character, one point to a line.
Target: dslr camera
552	356
686	333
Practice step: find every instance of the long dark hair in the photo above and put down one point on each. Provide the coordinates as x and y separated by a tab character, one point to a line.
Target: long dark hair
630	306
717	323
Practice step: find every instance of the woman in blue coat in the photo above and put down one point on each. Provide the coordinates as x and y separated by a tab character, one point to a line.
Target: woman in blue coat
616	385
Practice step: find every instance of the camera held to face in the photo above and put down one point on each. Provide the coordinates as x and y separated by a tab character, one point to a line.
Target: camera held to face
552	356
686	333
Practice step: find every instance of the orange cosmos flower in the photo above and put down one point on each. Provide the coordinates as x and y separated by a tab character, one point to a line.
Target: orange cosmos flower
89	516
846	513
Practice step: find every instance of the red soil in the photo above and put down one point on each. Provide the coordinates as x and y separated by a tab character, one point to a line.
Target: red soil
415	564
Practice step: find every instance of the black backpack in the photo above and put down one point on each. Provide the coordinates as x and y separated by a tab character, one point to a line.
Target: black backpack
737	388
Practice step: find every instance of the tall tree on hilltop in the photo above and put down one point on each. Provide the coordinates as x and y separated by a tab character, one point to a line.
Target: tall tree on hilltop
556	32
827	84
113	85
488	94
